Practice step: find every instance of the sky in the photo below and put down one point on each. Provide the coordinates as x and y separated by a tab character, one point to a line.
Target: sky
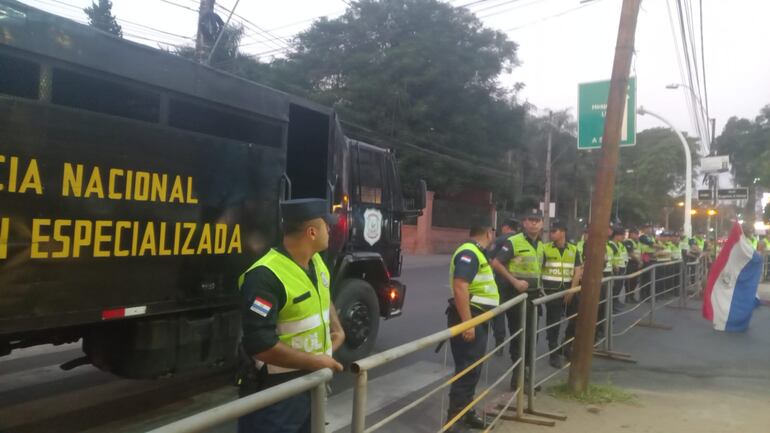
561	43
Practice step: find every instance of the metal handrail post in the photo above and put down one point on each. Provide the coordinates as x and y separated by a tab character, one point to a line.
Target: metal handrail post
684	280
358	420
522	348
532	355
652	294
608	317
318	409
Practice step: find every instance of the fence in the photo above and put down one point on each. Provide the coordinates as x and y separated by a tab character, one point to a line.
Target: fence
660	285
314	382
766	266
362	368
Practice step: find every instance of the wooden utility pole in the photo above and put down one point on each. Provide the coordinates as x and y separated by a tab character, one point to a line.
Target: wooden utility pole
205	12
547	199
601	203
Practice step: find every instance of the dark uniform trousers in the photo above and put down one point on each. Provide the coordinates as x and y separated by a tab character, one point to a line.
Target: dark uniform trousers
602	313
554	309
465	353
514	321
572	309
633	266
498	322
617	285
646	279
288	416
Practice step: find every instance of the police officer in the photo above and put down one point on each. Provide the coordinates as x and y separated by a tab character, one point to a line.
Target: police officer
663	255
562	269
509	228
608	271
648	245
619	265
518	262
473	292
290	326
633	247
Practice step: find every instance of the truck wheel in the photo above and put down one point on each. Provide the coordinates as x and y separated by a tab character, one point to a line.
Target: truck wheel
359	312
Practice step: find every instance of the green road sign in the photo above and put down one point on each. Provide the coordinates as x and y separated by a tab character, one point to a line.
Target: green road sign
592	110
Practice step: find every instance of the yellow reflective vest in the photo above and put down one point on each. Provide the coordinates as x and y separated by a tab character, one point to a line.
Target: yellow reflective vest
483	289
301	325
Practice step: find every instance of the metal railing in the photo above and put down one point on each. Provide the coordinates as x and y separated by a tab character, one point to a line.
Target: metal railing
362	367
314	382
657	284
765	266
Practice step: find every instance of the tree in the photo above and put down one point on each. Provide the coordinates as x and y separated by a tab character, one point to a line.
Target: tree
100	16
419	72
748	144
651	175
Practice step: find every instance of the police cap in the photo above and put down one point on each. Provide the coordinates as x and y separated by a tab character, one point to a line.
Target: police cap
305	209
557	224
532	213
618	231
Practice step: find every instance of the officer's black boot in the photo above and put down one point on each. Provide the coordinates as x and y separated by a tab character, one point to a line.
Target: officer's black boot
554	360
473	420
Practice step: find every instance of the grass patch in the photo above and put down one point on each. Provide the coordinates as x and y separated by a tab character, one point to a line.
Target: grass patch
596	394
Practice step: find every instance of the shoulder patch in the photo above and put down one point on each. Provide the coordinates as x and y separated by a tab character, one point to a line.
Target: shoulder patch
466	259
261	306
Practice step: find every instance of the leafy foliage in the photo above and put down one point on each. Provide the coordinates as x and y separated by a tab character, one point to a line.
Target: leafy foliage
415	71
651	174
100	16
748	144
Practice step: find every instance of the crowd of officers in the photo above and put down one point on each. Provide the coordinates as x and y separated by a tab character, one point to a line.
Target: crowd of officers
487	271
290	325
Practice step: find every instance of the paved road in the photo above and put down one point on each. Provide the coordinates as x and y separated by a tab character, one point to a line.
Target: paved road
37	387
36	396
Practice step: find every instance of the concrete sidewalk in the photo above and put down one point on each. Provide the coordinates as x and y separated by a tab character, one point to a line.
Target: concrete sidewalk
688	379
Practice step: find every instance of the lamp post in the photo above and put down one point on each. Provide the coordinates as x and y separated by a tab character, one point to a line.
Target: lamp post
707	143
687	175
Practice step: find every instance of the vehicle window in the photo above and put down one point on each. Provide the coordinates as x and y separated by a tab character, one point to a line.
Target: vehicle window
87	92
370	177
18	77
212	120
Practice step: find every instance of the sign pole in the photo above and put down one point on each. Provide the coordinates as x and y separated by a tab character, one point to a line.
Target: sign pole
604	185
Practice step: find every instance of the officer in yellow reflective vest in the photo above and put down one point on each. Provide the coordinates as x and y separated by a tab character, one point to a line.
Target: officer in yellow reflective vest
633	247
473	291
518	263
562	269
619	264
290	326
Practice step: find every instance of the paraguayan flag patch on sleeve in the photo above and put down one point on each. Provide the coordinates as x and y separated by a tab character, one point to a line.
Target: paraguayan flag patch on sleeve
261	306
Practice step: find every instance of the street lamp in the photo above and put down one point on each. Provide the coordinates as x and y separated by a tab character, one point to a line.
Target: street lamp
705	146
687	174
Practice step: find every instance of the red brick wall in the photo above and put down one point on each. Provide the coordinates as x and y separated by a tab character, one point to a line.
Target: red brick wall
441	240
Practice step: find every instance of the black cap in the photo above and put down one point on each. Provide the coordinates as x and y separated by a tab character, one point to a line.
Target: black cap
618	231
511	222
306	209
557	224
532	213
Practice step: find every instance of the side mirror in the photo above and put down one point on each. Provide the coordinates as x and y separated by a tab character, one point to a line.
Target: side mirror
422	193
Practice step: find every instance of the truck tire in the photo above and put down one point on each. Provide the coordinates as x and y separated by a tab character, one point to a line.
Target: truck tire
359	312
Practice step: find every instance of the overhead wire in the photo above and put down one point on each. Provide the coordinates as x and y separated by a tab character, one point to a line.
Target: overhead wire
689	76
556	15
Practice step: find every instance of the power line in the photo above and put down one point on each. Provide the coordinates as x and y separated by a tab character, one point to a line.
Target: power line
180	6
582	5
703	61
